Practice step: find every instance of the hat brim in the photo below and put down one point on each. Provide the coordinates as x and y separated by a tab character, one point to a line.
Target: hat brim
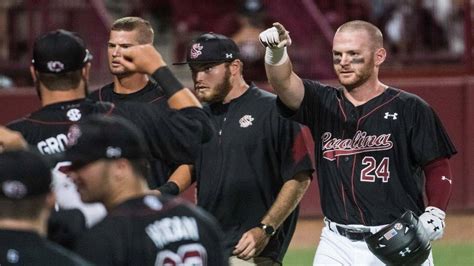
204	62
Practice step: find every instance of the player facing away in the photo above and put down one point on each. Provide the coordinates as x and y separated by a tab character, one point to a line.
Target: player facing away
374	143
252	174
130	86
109	163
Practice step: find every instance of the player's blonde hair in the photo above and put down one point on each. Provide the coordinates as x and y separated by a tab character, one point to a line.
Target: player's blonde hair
376	37
145	31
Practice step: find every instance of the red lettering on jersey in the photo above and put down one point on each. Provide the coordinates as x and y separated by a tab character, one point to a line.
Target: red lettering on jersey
361	142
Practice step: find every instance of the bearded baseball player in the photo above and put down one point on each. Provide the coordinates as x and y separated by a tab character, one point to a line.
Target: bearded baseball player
374	144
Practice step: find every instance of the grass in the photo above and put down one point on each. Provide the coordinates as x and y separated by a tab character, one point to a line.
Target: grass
444	255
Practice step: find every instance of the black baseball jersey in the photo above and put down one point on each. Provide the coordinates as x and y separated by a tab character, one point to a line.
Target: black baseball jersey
29	248
242	169
369	158
174	135
152	93
154	231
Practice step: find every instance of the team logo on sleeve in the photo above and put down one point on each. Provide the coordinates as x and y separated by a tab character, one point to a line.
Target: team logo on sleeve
360	143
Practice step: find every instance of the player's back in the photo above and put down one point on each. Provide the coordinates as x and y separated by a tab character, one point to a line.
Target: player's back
154	231
47	128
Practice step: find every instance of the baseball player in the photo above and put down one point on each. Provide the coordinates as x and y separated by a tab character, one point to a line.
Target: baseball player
108	158
60	70
374	143
26	200
133	86
253	173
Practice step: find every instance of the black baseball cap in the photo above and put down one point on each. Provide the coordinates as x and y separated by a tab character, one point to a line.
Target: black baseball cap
211	48
60	51
23	174
103	137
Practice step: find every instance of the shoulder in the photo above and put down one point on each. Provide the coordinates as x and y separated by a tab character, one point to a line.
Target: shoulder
64	256
99	93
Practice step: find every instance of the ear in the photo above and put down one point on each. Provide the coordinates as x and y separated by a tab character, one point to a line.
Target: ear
235	67
50	200
86	70
33	74
380	56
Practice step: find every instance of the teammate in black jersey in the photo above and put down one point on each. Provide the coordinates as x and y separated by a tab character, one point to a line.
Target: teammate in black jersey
379	148
133	86
26	200
253	173
60	70
109	163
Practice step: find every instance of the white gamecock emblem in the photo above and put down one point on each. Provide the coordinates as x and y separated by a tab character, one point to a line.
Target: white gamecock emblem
246	121
55	66
196	50
73	135
74	114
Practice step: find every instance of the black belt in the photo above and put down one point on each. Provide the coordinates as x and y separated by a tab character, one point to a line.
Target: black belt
354	234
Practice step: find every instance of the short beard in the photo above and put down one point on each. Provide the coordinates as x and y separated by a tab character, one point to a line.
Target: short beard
221	89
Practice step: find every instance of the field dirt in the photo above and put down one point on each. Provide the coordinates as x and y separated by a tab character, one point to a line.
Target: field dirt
459	229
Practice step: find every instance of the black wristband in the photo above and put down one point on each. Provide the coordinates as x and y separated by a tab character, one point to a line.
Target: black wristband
170	188
166	79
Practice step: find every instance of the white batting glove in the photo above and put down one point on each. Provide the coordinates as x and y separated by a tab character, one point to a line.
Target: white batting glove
433	222
275	37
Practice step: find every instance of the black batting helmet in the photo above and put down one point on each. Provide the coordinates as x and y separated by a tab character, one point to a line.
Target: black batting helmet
404	241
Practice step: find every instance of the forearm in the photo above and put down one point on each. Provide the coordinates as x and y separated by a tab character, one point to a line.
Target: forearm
182	177
179	96
288	198
283	80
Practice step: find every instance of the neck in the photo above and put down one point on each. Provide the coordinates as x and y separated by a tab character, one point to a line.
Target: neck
364	93
49	97
239	87
37	225
133	189
130	84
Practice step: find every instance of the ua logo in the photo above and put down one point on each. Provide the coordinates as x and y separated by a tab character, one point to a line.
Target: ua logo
229	56
393	116
246	121
74	114
406	251
113	152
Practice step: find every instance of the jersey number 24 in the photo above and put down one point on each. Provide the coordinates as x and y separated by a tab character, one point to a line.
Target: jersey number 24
374	169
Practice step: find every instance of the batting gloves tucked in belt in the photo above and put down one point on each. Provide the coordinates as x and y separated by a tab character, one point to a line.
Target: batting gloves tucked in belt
433	222
276	39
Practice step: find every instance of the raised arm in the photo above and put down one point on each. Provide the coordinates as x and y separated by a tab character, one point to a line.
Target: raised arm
279	69
146	59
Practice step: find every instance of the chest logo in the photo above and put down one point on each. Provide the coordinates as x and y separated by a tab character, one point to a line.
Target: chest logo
361	142
74	114
246	121
389	115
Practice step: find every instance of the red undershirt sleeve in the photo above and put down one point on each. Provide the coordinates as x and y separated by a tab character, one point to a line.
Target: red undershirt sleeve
438	184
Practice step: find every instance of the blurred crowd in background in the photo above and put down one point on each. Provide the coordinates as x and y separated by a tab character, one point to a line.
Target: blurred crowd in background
417	32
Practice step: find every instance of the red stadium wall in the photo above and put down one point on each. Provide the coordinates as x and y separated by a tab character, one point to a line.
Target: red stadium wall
451	97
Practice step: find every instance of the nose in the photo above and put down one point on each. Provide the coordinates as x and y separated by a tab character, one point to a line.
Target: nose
345	59
116	51
198	76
